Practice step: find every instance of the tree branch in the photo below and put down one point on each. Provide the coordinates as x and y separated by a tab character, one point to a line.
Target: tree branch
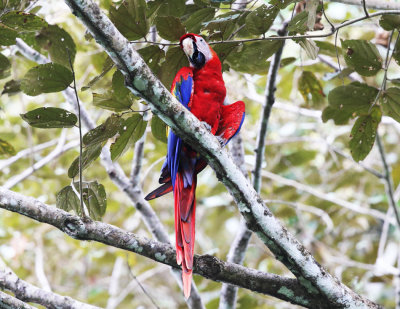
30	293
117	175
7	301
141	81
372	4
205	265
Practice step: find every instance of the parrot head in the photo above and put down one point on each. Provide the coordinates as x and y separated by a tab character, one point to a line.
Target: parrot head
197	49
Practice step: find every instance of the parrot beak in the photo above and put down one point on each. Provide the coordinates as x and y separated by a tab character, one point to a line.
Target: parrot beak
187	46
196	57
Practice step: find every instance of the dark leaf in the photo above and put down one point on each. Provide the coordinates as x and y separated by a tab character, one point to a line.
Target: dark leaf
152	54
94	197
349	101
111	102
170	28
46	78
396	52
7	35
21	21
194	22
299	23
223	50
6	149
103	132
363	134
222	27
253	57
311	89
58	43
172	8
287	61
130	19
328	48
118	86
281	3
363	56
390	22
12	87
390	102
50	117
175	60
130	131
5	66
261	19
90	154
159	129
108	65
67	200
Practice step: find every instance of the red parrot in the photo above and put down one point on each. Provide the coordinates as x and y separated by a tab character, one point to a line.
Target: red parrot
201	89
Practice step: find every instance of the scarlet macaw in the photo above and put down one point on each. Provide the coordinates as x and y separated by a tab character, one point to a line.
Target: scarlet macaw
201	89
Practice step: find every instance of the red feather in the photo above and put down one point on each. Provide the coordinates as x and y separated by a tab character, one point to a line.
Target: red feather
203	92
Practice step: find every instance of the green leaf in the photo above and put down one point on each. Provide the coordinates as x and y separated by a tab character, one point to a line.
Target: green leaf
345	72
223	50
390	22
170	28
111	102
327	48
172	8
108	65
194	22
118	86
349	101
58	43
11	87
390	102
363	56
95	198
261	19
287	61
311	89
363	134
159	129
21	21
396	52
299	23
90	154
7	35
103	132
152	54
50	117
253	57
46	78
130	19
281	3
5	66
222	27
130	131
174	61
6	149
67	200
309	47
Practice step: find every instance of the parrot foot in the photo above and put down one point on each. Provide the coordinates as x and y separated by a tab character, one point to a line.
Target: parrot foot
221	140
208	127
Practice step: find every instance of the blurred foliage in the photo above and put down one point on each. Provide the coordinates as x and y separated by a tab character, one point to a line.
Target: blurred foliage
300	147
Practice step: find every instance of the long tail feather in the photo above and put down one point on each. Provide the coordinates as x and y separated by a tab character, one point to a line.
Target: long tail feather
185	217
160	191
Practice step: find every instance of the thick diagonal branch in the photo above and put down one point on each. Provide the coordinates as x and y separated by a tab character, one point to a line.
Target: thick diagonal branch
142	82
205	265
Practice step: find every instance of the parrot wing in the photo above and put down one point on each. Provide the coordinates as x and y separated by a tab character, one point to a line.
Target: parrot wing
232	117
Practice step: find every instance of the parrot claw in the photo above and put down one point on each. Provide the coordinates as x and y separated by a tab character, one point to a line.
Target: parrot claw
221	140
208	127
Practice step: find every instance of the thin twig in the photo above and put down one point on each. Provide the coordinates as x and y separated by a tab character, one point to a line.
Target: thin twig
141	286
365	8
80	137
388	179
287	37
